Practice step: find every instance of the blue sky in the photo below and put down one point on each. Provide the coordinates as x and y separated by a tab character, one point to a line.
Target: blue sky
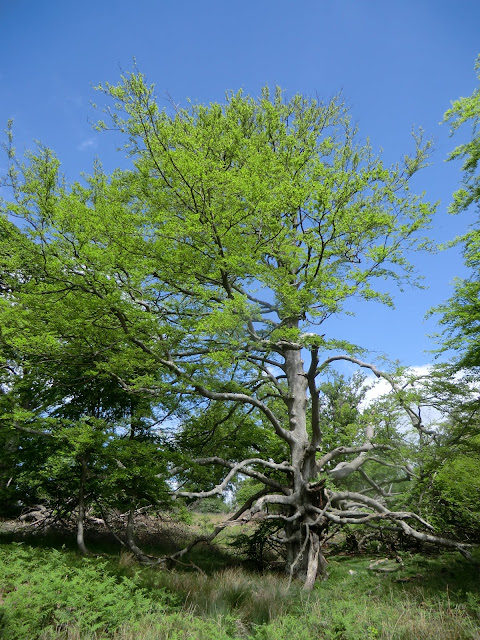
398	64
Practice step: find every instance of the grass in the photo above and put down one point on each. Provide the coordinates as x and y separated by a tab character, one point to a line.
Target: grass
48	593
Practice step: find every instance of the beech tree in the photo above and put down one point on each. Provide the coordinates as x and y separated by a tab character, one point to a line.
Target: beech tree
213	271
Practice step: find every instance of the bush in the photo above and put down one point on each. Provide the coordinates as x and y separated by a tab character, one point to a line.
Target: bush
452	503
211	505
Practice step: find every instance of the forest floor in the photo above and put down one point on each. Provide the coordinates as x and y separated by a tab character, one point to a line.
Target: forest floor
47	590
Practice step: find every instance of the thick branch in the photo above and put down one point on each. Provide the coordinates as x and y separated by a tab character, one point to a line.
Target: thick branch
314	395
273	499
444	542
225	396
340	451
371	503
344	469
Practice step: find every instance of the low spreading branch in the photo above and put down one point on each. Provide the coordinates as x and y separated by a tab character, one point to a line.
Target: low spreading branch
234	519
239	467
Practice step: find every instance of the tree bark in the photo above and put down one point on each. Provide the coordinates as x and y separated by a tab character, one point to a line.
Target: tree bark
312	561
305	560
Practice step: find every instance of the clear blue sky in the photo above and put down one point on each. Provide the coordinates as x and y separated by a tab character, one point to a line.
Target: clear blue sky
398	63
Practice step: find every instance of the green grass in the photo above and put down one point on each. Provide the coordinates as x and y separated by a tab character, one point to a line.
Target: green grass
48	593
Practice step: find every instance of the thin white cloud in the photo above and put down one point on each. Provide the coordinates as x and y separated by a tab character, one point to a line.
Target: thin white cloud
89	143
378	388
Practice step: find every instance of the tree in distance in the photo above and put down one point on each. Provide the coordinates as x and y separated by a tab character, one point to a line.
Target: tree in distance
213	271
455	383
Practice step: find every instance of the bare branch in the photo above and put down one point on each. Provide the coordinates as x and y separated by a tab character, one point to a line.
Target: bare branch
225	396
281	466
344	469
415	417
272	499
340	451
380	508
444	542
279	516
404	467
373	484
234	469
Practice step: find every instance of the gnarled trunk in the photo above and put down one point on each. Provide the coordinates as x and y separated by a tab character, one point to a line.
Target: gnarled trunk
303	535
304	556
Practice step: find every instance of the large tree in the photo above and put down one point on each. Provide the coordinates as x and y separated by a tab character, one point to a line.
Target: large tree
214	268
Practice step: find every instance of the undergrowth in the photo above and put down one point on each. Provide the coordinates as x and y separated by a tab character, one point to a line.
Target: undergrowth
49	593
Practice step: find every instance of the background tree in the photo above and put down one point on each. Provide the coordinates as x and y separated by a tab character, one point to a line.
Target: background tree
66	422
460	314
449	490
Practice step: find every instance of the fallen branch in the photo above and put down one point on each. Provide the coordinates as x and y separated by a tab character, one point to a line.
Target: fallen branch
374	566
209	538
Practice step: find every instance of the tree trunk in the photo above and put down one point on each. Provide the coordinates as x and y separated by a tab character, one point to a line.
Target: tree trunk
305	560
312	561
81	510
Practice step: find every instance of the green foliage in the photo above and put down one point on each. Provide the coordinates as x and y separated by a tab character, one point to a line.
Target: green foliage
447	491
213	198
44	591
215	504
462	111
341	417
461	313
256	547
182	626
452	496
182	514
156	315
246	489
